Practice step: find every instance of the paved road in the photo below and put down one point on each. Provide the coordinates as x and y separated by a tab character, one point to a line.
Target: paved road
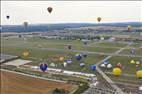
113	85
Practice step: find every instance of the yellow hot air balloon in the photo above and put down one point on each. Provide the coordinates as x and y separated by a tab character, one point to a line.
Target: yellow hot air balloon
99	19
132	62
25	53
139	74
61	58
129	27
117	71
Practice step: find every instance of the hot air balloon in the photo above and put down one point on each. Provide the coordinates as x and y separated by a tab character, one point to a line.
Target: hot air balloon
117	71
109	66
61	58
78	57
129	27
69	61
43	67
49	9
99	19
105	62
82	64
25	24
93	67
103	65
119	65
69	47
132	62
139	74
7	17
25	53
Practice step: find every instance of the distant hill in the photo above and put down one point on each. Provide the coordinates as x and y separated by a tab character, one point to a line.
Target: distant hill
59	26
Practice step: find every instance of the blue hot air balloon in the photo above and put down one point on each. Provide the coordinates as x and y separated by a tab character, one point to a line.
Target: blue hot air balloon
93	67
78	57
69	61
105	62
43	67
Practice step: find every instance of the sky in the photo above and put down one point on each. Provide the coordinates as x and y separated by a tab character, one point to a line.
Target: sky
35	12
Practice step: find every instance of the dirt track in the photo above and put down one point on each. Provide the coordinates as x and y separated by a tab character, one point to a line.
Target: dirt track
12	83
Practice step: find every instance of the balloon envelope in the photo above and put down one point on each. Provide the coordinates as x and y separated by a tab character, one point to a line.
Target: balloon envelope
69	61
99	19
7	17
139	74
49	9
117	71
129	27
26	53
25	24
78	57
43	67
93	67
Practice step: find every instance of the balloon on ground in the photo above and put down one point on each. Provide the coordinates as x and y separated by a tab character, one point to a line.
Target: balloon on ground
117	71
43	67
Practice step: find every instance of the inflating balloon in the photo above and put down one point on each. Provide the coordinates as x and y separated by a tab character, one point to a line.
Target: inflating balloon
26	53
99	19
117	71
69	61
139	74
78	57
93	67
82	64
49	9
43	67
132	62
61	58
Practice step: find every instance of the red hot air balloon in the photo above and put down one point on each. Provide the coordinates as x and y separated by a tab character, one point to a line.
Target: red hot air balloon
49	9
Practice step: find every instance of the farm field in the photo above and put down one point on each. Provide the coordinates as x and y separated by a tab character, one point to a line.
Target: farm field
12	83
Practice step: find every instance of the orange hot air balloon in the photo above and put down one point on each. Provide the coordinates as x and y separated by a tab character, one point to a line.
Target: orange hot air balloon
129	27
49	9
99	19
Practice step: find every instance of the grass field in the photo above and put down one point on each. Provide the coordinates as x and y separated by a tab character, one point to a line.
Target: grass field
12	83
127	67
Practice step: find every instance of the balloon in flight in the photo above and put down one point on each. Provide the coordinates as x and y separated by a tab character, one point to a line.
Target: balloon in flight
7	17
49	9
99	19
129	27
25	24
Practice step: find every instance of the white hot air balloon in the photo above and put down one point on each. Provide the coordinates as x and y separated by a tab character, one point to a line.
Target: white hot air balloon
103	65
109	66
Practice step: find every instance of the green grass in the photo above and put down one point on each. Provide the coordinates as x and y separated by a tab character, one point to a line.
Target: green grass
110	44
127	67
128	51
45	54
60	44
